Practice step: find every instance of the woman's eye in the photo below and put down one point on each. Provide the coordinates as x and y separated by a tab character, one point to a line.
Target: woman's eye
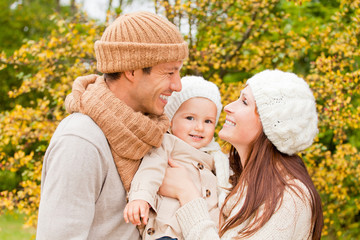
190	118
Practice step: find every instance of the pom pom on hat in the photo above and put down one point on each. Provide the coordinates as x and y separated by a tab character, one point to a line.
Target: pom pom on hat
139	40
193	86
287	109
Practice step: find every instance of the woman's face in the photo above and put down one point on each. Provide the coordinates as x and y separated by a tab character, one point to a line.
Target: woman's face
242	123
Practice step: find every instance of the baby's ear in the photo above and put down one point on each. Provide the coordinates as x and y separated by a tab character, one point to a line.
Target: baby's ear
170	130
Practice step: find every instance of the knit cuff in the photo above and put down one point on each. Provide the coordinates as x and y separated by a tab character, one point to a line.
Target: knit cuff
143	195
192	213
125	56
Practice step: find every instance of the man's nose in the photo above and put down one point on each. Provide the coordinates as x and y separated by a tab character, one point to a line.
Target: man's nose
175	84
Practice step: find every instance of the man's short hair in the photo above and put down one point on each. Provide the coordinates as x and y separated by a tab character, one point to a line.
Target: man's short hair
147	70
115	76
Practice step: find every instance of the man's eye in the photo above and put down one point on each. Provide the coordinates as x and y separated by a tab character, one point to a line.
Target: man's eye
171	73
190	118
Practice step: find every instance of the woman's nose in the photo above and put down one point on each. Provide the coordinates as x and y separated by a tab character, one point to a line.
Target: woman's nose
228	108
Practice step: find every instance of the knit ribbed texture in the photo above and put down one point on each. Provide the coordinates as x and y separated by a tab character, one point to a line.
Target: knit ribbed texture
193	86
291	220
138	40
130	134
193	216
287	109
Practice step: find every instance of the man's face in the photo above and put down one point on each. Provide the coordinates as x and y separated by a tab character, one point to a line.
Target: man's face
151	91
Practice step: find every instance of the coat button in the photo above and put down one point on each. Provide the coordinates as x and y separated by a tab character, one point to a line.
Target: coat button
208	193
200	166
151	231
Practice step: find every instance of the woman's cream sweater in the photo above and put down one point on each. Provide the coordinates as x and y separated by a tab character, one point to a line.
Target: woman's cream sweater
291	220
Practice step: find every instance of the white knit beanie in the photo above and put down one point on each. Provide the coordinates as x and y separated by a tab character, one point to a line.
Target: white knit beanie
193	86
287	109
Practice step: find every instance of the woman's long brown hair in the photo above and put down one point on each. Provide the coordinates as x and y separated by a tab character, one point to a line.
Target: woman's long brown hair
265	175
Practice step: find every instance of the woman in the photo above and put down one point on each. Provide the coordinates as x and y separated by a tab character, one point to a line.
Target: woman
272	195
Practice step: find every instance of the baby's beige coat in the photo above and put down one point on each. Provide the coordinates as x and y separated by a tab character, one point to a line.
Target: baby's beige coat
150	175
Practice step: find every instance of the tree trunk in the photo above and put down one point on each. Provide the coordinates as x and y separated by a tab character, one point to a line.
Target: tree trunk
72	6
110	4
57	3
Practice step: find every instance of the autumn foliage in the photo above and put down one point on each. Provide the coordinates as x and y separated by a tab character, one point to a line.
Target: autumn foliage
229	41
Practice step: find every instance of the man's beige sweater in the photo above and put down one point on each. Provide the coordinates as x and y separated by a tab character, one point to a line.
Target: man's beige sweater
82	196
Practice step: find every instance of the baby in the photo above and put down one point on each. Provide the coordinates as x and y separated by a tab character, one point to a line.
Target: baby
194	113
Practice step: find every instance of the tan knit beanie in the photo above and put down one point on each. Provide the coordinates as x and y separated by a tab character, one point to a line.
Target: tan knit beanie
139	40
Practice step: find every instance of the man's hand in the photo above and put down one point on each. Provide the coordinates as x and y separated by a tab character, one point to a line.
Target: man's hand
135	211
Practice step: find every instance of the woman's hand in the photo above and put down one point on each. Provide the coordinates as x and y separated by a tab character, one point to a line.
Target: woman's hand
177	184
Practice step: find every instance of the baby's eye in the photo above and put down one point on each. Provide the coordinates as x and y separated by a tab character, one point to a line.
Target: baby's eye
208	121
245	102
190	118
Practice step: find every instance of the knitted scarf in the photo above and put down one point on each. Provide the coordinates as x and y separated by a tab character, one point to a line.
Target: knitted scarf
130	134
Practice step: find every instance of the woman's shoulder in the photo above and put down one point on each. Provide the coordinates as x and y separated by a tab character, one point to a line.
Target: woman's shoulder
296	201
296	209
297	191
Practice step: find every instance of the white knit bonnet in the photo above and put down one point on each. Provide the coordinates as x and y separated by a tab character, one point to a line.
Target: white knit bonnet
287	109
193	86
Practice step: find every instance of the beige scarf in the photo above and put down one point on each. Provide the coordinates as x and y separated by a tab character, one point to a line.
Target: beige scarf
130	134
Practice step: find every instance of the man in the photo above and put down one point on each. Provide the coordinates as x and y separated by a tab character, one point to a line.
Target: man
116	118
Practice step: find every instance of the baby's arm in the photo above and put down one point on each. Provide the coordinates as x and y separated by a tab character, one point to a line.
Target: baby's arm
135	211
146	183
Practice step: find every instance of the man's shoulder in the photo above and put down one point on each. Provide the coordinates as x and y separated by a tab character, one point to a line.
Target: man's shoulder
82	126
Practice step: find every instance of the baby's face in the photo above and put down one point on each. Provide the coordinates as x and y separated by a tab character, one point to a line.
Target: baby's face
194	122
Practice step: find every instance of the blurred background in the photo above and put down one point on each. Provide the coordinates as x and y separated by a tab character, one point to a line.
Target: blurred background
46	44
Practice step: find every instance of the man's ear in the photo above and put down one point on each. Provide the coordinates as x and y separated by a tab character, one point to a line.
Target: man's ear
130	75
